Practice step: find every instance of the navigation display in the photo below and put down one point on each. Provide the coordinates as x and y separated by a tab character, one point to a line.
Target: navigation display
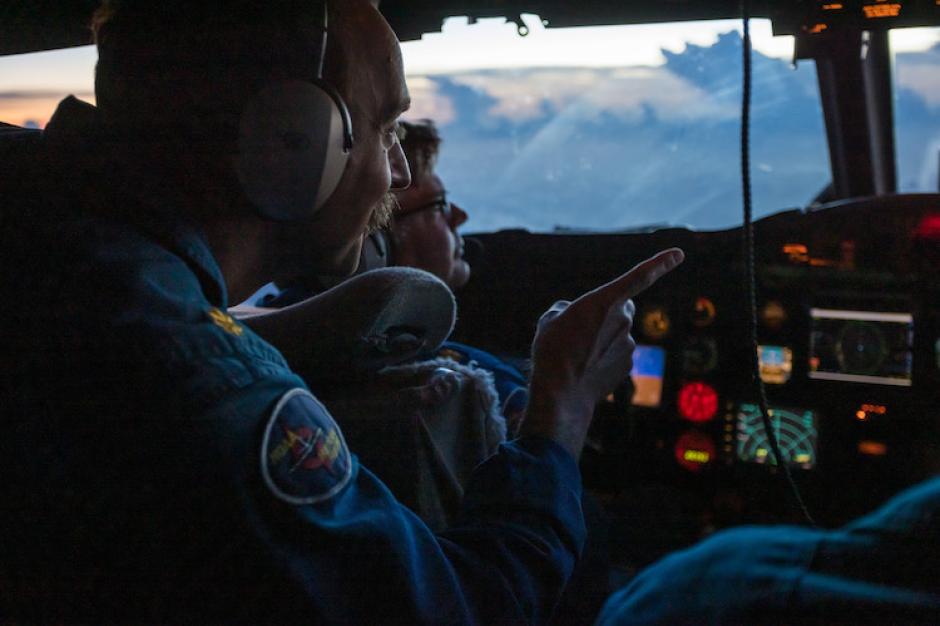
649	364
796	432
862	347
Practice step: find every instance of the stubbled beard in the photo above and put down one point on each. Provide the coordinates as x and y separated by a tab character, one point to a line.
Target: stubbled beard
382	215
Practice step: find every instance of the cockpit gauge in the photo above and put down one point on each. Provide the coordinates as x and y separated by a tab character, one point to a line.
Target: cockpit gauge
772	315
861	347
699	356
655	323
698	402
703	312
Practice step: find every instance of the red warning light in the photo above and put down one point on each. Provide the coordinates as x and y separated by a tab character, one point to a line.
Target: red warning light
694	450
928	228
698	402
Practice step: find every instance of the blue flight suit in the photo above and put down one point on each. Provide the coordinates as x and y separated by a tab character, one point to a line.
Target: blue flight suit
511	386
880	569
161	462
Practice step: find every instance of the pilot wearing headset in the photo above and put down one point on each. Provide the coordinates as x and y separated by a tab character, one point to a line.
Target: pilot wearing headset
161	461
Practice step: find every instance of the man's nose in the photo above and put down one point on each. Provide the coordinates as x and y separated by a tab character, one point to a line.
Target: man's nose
457	215
401	173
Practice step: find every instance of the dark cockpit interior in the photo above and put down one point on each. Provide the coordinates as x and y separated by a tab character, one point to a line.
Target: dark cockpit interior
847	296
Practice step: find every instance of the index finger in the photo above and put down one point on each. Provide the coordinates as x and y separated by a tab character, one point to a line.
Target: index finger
641	277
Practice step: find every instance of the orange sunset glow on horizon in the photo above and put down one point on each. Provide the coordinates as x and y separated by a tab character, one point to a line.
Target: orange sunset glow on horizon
33	110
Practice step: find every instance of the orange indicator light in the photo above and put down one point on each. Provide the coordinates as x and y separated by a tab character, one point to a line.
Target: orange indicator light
867	410
872	448
703	312
818	28
882	10
798	252
655	323
832	7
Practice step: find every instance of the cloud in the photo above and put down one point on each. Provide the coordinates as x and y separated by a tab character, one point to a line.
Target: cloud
427	101
921	78
626	93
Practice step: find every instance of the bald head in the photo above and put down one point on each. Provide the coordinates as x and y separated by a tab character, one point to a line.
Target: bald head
192	64
361	38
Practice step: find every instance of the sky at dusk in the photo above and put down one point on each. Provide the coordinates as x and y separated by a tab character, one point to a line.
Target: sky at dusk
32	84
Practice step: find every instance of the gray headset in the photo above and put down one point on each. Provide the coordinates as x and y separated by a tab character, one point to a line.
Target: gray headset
294	142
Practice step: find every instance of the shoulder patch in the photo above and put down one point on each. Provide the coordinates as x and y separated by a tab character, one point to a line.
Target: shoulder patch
304	458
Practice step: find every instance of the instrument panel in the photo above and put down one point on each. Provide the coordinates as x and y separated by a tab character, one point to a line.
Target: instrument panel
815	17
848	348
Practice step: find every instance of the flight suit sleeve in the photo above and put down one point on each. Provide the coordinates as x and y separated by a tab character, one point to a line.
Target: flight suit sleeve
335	546
876	570
747	575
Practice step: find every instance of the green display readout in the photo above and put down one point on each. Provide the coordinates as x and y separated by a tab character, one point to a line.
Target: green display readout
796	432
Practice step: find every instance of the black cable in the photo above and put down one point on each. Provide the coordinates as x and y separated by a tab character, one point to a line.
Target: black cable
750	261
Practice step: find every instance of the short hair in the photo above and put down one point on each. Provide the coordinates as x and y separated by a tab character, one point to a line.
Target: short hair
192	66
421	144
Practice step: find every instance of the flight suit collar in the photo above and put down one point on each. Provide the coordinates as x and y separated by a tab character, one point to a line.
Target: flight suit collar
83	149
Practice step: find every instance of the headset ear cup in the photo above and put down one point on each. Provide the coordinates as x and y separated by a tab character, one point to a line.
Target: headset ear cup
290	150
337	155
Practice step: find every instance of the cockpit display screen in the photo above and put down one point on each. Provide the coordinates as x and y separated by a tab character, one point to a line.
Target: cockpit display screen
649	364
796	431
862	347
776	364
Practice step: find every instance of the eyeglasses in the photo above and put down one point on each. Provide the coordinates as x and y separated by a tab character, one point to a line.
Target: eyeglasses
440	203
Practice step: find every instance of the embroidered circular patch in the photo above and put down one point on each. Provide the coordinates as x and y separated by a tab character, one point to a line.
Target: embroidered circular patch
304	458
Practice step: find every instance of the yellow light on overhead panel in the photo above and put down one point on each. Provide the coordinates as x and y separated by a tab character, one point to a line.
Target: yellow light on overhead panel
878	11
798	252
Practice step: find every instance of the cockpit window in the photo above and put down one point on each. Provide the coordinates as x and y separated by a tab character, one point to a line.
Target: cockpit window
917	107
615	128
31	85
602	128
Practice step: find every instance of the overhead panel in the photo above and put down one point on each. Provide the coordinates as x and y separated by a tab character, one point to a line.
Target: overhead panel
412	18
819	17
